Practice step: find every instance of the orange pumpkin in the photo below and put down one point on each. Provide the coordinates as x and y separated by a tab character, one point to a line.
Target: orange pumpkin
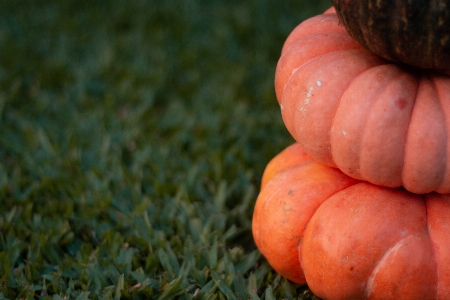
349	239
290	156
376	121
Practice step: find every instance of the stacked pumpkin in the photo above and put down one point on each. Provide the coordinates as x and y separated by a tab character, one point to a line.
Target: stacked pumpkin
359	206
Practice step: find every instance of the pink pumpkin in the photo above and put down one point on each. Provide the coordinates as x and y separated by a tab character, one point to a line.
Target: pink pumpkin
376	121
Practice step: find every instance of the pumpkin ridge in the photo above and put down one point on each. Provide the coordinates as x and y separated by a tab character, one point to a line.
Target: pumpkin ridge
436	88
296	103
387	253
318	56
365	169
356	173
425	198
358	170
418	79
312	26
425	140
444	98
311	60
438	208
291	44
357	181
442	175
323	100
301	44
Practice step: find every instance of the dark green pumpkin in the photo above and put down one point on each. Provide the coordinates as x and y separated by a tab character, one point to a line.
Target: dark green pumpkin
414	32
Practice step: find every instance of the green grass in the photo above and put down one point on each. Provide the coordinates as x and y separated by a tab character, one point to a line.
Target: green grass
134	135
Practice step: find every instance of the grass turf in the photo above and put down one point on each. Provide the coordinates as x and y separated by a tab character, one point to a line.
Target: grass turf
134	135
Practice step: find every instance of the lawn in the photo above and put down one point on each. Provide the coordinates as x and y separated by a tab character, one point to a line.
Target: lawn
134	136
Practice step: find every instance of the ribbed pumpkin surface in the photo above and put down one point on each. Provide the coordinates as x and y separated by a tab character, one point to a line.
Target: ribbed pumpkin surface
374	120
349	239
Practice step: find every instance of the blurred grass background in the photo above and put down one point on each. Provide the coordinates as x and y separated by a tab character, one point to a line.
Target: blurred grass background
134	135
